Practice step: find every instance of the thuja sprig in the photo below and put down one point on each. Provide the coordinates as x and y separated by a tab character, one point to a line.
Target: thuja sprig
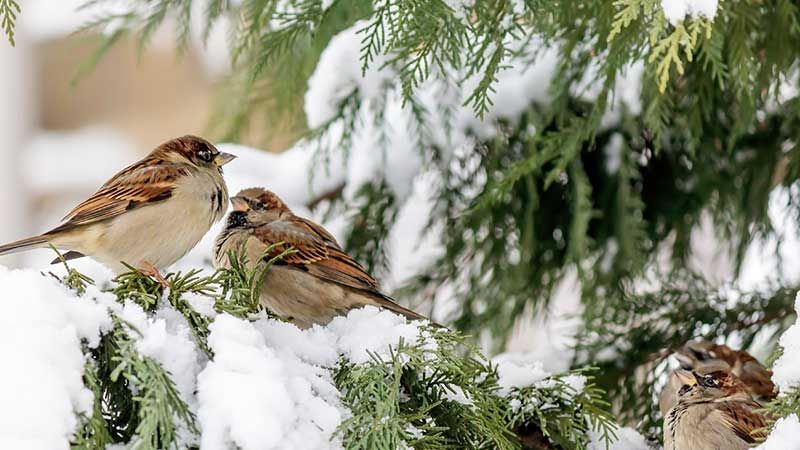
563	414
140	288
94	432
8	18
134	397
73	279
241	285
157	399
439	393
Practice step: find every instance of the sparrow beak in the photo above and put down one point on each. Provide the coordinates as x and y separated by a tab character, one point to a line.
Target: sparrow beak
686	377
240	204
223	158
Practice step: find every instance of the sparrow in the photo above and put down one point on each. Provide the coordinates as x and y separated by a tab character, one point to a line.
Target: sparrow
714	412
316	280
669	394
148	215
757	378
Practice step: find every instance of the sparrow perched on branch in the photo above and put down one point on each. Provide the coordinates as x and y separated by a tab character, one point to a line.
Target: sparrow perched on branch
315	280
705	357
149	214
714	412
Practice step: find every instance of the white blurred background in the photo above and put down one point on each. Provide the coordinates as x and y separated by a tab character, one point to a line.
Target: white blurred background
62	140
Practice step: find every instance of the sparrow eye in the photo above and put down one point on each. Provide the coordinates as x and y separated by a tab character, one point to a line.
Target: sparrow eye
709	381
205	155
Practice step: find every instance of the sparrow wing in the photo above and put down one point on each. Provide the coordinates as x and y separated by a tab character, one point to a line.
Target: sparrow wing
313	254
318	230
145	182
318	253
741	418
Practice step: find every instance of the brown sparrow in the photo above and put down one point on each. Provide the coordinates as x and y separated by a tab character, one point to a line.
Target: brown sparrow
706	357
149	214
669	395
756	377
714	412
317	281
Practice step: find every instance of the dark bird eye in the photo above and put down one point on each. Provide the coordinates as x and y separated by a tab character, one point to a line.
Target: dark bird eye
709	381
205	155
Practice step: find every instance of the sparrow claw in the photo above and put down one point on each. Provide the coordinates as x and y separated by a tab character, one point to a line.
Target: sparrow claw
152	271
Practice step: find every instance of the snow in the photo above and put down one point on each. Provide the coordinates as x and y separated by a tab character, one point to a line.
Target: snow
549	335
41	384
268	386
676	10
785	435
254	399
338	74
613	151
371	330
167	338
786	370
627	439
518	370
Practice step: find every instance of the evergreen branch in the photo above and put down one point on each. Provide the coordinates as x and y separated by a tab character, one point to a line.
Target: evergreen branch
160	409
8	11
446	396
241	286
94	432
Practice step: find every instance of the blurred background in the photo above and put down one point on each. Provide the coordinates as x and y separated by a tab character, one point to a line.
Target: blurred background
68	129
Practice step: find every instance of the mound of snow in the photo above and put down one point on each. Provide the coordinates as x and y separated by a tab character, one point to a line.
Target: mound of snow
41	384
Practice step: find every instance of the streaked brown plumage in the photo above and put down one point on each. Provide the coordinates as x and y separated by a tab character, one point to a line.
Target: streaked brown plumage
714	411
314	283
149	214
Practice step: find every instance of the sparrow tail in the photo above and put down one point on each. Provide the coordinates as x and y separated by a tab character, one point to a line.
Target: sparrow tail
23	244
387	303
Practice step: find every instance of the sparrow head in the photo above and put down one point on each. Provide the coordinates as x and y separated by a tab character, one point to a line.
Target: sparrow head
258	199
193	150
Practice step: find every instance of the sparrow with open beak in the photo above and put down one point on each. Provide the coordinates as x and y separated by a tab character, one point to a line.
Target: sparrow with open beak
314	283
149	214
714	412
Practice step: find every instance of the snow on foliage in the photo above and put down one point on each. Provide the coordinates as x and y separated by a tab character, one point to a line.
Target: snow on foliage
517	370
267	387
786	371
256	397
785	435
627	439
676	10
41	385
264	384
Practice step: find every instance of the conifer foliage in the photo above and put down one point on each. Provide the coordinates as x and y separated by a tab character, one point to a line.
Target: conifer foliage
433	392
593	139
